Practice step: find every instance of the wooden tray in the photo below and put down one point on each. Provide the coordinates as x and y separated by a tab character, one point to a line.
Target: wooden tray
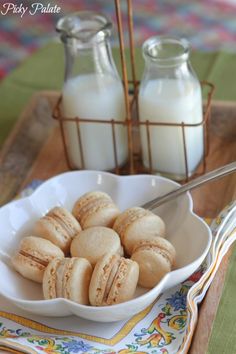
34	151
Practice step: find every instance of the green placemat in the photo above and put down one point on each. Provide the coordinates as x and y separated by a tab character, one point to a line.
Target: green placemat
223	336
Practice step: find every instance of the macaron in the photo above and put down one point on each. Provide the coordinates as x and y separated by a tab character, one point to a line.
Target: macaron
94	242
58	226
95	209
155	259
114	280
33	256
67	278
136	224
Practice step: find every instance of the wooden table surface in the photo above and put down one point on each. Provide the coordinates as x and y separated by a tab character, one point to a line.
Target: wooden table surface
34	151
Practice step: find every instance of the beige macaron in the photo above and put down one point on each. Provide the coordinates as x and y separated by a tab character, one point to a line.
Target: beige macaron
155	259
137	224
94	242
95	209
58	226
33	256
67	278
114	280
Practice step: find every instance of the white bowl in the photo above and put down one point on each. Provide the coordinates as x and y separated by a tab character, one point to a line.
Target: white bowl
189	234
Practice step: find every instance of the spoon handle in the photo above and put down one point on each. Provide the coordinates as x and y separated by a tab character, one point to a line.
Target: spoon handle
210	176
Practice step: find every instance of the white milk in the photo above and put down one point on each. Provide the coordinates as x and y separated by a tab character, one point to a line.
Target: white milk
172	101
94	96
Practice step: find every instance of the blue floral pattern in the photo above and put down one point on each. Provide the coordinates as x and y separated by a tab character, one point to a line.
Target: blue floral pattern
177	300
75	346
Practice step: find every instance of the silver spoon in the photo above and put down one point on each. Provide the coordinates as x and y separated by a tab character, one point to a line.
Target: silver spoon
215	174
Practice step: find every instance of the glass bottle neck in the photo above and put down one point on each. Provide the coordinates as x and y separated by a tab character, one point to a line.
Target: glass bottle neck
167	58
94	57
165	51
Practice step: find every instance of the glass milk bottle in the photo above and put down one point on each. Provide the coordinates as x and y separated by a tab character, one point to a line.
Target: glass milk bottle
92	90
170	93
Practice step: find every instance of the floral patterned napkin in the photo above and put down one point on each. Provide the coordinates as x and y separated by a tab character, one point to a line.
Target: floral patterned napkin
164	327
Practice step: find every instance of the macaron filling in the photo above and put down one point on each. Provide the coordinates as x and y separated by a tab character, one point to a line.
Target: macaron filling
163	252
117	282
68	268
87	198
129	216
52	289
93	207
58	227
33	258
69	229
61	277
110	281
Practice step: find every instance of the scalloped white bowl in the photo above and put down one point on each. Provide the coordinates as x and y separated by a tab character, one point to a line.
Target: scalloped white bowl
189	234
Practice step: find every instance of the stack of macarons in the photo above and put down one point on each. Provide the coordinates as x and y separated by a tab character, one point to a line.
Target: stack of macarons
95	255
142	235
